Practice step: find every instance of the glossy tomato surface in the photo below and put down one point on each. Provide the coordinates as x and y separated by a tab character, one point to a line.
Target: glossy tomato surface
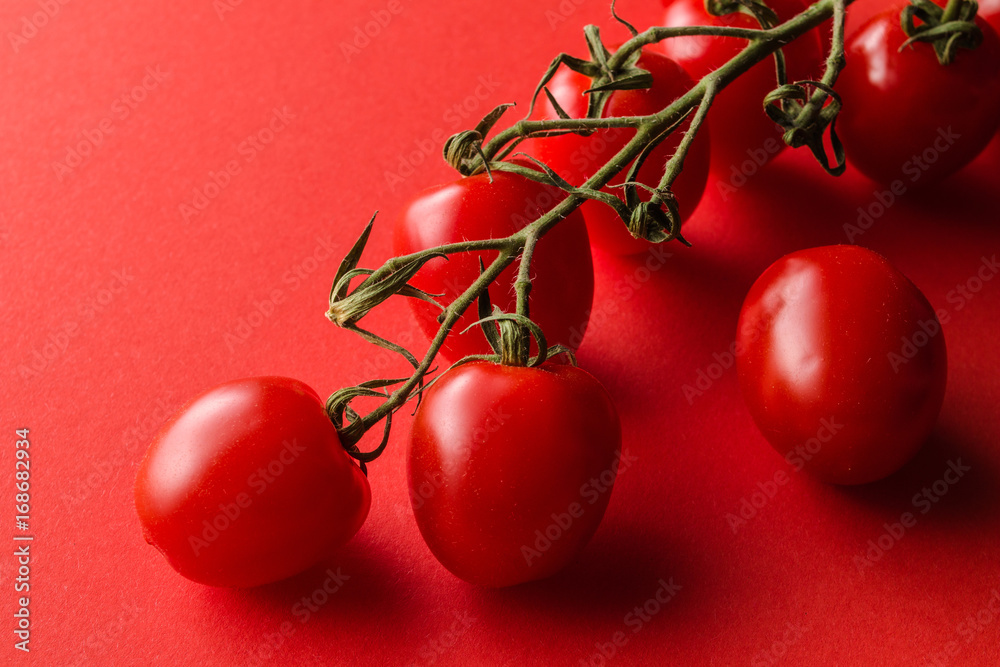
248	484
511	468
474	208
990	11
576	158
743	137
906	117
842	363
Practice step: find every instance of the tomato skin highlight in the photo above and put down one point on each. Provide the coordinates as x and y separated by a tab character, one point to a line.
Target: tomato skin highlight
473	208
842	363
741	130
248	484
511	469
576	158
906	117
989	10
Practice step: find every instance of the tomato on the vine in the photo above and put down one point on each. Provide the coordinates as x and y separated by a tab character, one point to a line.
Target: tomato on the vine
576	158
474	208
842	363
511	468
741	130
248	484
907	117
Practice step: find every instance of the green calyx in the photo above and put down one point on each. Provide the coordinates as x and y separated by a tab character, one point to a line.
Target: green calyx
947	29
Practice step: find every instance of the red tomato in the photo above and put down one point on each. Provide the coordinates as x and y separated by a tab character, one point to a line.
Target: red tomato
474	208
908	118
248	484
989	10
576	158
741	130
842	363
511	468
861	11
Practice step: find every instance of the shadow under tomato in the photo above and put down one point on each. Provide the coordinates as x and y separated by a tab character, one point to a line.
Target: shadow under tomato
622	567
355	580
789	208
943	484
685	307
964	200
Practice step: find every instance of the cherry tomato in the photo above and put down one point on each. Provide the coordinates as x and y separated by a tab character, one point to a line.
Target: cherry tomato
576	158
908	118
861	11
989	10
741	130
511	468
842	363
248	484
474	208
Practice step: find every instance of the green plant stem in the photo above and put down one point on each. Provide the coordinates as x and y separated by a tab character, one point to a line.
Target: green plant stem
834	61
523	285
448	318
676	161
394	263
951	10
762	44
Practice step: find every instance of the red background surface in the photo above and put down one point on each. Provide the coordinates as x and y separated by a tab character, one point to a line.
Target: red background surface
99	594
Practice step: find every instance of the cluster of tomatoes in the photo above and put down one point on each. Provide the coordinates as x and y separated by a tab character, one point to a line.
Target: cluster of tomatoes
511	467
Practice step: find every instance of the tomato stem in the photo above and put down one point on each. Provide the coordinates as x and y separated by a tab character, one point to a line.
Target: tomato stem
951	10
467	152
522	286
676	162
947	30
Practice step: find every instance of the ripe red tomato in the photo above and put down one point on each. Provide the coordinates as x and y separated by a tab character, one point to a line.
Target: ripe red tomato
474	208
248	484
908	118
741	130
576	158
989	10
511	468
842	363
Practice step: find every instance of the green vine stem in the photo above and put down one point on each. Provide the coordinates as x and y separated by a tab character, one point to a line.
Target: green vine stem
469	154
806	116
